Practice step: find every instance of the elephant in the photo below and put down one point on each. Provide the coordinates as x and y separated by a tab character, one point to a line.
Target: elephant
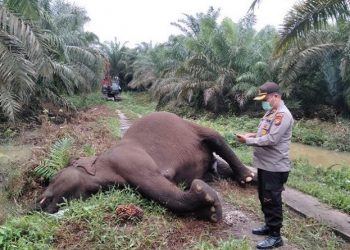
157	153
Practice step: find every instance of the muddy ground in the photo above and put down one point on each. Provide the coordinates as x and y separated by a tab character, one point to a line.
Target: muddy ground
87	128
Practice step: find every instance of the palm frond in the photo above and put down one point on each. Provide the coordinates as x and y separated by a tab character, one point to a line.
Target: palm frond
58	159
307	15
22	31
9	102
70	78
28	8
300	61
253	5
15	66
81	54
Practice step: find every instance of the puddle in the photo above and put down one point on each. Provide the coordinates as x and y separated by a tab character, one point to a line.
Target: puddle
320	157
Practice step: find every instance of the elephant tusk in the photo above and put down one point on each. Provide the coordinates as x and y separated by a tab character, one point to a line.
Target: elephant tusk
42	201
249	179
198	188
208	198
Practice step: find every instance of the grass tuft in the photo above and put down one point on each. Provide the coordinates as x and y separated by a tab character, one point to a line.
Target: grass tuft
224	245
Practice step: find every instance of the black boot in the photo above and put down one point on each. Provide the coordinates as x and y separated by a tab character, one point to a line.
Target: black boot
270	242
264	230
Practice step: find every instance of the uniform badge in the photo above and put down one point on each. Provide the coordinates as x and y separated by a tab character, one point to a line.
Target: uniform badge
269	117
263	131
278	118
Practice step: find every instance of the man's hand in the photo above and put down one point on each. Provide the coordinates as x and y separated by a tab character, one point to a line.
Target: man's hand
241	138
250	135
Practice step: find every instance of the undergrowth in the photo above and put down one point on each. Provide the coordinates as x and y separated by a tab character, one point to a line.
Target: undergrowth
87	100
331	186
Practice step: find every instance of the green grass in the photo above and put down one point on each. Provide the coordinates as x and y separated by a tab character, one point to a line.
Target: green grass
328	185
28	232
87	100
113	126
88	150
134	105
224	245
330	135
97	216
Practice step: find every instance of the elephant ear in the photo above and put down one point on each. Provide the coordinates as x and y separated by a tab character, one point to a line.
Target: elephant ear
86	163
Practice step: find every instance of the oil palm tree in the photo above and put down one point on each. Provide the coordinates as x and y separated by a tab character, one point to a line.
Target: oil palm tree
41	57
211	65
315	37
308	15
220	65
24	56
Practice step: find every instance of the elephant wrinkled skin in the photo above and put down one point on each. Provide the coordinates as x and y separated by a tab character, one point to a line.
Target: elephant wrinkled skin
157	152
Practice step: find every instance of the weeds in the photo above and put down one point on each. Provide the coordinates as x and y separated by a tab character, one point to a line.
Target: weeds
15	184
224	245
328	185
88	150
114	127
331	135
135	105
85	101
57	159
95	217
28	232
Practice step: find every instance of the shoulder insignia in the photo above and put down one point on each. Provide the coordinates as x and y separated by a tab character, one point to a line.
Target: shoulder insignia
278	118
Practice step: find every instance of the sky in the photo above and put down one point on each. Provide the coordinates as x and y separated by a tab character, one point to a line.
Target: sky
136	21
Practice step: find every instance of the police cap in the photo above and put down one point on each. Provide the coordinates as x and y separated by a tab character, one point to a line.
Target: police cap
265	89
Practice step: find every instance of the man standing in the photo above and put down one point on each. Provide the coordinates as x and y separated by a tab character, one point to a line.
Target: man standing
271	158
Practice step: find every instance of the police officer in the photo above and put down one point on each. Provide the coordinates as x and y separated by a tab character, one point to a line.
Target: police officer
271	158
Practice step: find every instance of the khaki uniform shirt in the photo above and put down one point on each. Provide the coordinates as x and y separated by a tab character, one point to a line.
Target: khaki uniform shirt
271	144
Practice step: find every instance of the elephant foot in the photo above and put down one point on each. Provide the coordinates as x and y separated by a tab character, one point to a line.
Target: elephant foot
209	206
245	175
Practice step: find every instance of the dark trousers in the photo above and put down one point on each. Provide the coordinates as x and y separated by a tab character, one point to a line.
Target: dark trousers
270	187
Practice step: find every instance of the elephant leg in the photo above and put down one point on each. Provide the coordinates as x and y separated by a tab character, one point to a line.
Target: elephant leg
217	144
200	200
211	204
221	169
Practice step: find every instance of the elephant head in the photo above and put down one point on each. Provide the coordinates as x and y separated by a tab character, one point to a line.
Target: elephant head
72	182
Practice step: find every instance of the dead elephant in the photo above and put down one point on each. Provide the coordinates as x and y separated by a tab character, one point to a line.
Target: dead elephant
157	152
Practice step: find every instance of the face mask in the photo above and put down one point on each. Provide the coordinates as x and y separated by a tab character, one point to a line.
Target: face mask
266	106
